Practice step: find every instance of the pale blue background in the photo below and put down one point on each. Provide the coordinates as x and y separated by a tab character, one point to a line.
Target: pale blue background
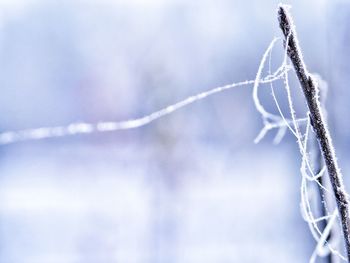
191	187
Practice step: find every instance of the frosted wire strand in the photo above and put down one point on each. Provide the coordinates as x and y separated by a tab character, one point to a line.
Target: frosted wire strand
86	128
305	160
281	131
281	113
259	107
315	231
276	125
271	120
273	91
302	148
305	203
318	250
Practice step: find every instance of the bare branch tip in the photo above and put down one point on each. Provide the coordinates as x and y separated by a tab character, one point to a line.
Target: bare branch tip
284	7
284	18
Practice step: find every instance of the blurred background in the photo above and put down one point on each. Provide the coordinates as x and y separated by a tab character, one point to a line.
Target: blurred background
190	187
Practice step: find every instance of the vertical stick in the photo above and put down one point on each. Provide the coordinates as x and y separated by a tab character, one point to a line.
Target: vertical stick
323	196
319	163
310	90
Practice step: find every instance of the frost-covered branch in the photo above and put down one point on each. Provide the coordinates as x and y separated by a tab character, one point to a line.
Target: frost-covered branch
310	89
324	198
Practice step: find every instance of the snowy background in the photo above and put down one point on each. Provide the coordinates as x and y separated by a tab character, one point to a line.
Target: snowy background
190	187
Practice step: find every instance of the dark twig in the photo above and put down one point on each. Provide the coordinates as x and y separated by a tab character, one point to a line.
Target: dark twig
322	179
310	89
323	195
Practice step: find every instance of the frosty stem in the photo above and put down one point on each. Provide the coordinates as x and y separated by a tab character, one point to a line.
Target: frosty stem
323	195
310	89
322	180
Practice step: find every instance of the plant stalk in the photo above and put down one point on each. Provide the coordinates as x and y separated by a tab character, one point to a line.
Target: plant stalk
311	93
